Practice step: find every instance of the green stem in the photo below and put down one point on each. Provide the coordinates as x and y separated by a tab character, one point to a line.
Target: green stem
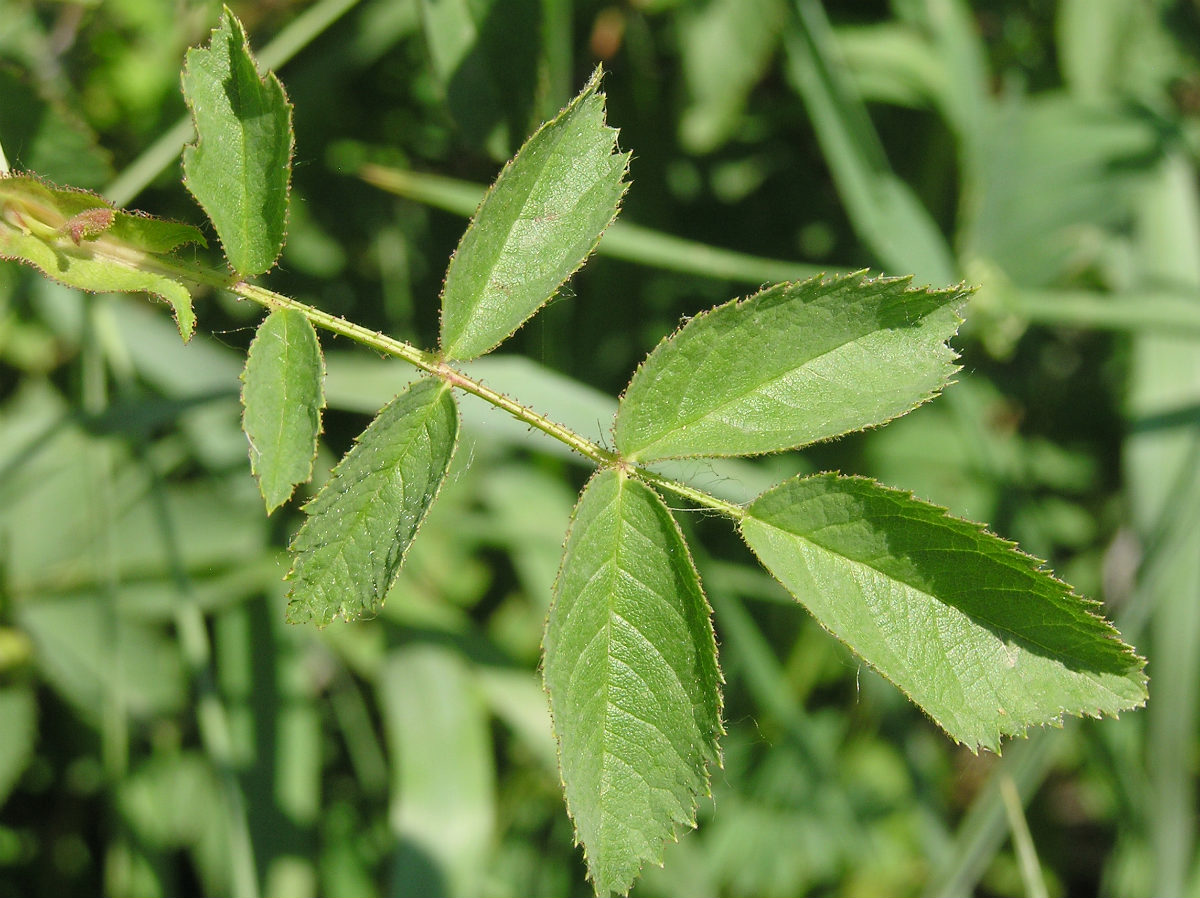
699	497
982	830
438	367
192	633
1159	309
430	362
215	735
1027	861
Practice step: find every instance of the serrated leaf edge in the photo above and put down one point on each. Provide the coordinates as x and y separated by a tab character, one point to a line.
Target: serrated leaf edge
269	81
445	388
590	89
716	758
1089	606
963	289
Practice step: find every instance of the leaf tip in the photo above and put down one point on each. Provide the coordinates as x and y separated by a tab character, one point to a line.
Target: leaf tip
186	323
298	613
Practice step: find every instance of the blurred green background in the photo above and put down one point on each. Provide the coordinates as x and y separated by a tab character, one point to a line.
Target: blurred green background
162	732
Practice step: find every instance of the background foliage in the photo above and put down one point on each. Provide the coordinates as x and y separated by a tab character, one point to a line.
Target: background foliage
162	731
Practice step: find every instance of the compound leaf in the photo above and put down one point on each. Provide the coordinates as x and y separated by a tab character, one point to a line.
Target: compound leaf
78	239
240	166
630	665
282	398
541	219
363	520
983	639
792	365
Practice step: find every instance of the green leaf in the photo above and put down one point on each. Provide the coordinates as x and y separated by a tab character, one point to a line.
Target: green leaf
631	668
541	219
361	524
282	398
789	366
176	800
78	239
240	166
975	632
77	645
1020	219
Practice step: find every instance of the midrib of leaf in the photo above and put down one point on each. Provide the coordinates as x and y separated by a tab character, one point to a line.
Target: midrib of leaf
620	570
102	248
287	395
365	507
777	377
243	179
118	254
611	570
861	563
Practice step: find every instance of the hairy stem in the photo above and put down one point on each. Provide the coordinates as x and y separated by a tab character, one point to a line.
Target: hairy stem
432	363
699	497
438	367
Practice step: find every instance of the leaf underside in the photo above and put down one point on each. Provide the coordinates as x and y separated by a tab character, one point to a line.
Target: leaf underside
78	239
536	226
635	691
361	523
791	365
240	166
972	630
282	398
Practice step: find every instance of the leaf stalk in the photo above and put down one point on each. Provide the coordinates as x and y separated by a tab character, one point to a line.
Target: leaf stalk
435	365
